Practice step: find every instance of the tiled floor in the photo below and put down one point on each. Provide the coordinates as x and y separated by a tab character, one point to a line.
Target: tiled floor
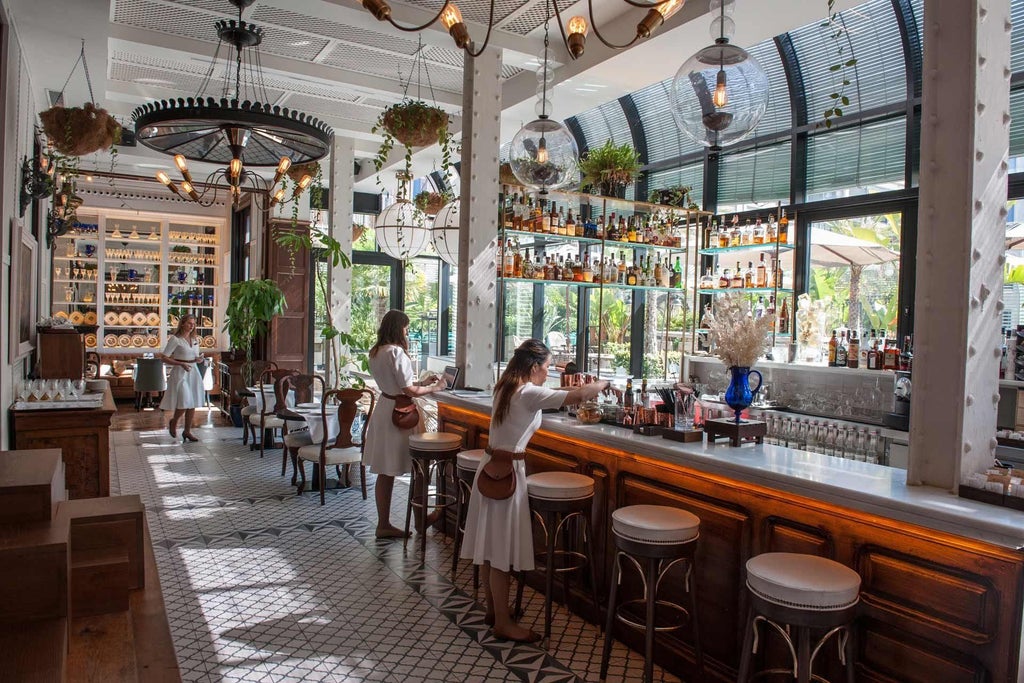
264	585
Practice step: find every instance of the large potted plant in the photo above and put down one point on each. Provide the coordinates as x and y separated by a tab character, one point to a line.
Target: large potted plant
251	307
610	168
413	123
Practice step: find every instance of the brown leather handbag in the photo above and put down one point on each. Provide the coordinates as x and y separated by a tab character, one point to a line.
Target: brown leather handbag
404	415
497	479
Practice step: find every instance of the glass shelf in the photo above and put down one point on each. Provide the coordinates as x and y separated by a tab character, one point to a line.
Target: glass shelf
746	290
575	283
133	240
767	246
777	335
84	259
613	244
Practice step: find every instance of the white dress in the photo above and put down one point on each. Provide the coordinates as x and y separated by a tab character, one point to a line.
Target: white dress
185	384
499	531
387	446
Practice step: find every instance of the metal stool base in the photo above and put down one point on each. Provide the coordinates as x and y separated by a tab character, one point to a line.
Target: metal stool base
425	463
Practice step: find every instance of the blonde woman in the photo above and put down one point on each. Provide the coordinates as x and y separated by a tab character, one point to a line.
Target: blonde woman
185	390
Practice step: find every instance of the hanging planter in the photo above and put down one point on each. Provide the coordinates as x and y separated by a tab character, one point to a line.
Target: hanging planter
610	168
431	202
77	131
297	172
413	123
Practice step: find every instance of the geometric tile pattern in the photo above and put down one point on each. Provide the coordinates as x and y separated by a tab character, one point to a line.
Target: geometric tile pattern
261	584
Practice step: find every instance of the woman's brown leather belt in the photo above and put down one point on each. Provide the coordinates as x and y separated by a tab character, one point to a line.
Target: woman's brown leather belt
505	454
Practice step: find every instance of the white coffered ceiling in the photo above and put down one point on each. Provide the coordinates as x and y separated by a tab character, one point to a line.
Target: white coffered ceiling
332	59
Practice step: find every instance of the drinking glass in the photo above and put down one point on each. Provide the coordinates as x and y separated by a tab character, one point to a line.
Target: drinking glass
78	387
24	390
685	406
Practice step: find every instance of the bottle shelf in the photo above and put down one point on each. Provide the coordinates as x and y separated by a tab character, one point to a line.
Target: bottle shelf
577	283
91	304
120	304
134	240
550	238
192	243
766	246
777	335
84	259
188	286
746	290
74	282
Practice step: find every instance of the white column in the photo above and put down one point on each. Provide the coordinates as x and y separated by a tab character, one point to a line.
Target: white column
958	302
481	127
342	183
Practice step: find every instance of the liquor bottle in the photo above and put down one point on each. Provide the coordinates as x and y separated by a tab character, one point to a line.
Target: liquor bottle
778	278
508	211
548	268
761	279
710	234
783	228
657	273
627	395
623	229
734	233
891	360
588	272
571	227
668	276
853	357
747	233
907	355
723	235
527	269
833	344
748	276
771	232
622	268
645	399
707	281
784	317
759	309
612	228
509	259
736	281
842	352
759	232
723	279
499	257
561	222
678	270
517	261
600	228
873	352
771	311
631	232
631	277
577	271
543	218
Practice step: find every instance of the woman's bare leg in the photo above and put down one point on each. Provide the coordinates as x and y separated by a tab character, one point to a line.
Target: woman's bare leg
382	496
173	426
505	627
189	416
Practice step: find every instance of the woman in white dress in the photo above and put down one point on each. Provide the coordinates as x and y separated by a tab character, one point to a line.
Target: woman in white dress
498	532
185	390
386	450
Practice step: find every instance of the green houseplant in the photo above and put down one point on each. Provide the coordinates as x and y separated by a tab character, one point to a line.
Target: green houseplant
251	307
610	167
431	202
413	123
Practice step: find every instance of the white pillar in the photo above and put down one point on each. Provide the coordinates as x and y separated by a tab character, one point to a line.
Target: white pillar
481	127
958	303
342	178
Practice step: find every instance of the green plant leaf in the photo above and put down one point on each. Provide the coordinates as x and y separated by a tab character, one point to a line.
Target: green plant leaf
835	67
845	100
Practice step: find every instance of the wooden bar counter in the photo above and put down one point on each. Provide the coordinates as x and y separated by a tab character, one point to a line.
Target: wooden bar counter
82	435
942	593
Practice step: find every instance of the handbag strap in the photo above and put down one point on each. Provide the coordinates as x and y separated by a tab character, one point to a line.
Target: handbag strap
511	455
393	398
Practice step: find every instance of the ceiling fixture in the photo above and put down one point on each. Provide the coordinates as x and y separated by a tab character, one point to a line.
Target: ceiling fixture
240	128
401	229
543	154
574	35
445	232
720	94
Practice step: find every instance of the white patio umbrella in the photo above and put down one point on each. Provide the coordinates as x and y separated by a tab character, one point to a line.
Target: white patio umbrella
836	249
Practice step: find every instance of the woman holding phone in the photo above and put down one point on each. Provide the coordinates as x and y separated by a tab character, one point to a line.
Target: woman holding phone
185	390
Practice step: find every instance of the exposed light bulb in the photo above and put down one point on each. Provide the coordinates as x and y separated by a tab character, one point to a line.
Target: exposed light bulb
657	15
305	181
579	25
719	98
670	7
577	39
187	186
235	168
542	152
451	16
277	198
163	178
284	164
181	162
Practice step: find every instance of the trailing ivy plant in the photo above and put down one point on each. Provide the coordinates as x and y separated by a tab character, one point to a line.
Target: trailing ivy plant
837	32
413	123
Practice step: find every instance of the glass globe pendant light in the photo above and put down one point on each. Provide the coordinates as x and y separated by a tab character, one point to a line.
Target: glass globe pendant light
543	154
401	228
719	94
445	232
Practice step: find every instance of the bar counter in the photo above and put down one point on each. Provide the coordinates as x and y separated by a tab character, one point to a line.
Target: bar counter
942	577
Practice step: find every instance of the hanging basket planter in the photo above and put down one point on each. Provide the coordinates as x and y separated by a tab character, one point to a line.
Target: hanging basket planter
77	131
430	202
296	173
414	123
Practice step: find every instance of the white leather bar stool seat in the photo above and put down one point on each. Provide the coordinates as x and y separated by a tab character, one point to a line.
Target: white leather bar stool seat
269	422
805	582
249	410
658	524
435	441
470	460
298	439
559	486
352	455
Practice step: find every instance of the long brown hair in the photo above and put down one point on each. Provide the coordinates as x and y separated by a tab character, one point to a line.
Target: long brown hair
180	330
530	354
392	331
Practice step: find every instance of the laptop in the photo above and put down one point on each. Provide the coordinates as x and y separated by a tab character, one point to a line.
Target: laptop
451	374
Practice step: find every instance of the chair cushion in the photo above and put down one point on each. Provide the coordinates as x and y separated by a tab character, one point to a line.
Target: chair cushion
269	422
249	410
296	439
559	486
335	456
803	581
470	460
656	524
435	441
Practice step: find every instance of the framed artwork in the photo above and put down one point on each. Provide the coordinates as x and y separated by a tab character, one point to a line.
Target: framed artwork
23	300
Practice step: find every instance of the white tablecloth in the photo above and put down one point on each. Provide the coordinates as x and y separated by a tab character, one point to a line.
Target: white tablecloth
257	399
316	425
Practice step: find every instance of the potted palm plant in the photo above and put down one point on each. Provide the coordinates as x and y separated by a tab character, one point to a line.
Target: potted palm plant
610	168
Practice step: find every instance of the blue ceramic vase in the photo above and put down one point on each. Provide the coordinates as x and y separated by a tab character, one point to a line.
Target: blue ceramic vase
739	395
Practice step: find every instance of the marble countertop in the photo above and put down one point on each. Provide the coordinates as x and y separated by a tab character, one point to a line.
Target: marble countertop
875	489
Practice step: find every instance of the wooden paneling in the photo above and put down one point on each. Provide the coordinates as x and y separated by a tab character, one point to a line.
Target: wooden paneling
61	355
288	341
935	606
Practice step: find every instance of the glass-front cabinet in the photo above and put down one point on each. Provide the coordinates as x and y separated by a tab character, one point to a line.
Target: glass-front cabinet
126	279
602	281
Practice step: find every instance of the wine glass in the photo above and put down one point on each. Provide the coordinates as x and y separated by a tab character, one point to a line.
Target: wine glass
24	390
78	387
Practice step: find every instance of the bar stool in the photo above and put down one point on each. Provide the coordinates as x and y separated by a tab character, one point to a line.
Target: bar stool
805	592
431	452
557	498
659	537
466	465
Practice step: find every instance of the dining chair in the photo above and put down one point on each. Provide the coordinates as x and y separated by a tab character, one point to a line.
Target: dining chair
271	403
304	387
258	367
341	450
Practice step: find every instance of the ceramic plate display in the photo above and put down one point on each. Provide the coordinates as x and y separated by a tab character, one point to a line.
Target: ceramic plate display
139	318
138	341
124	318
90	318
152	341
207	321
90	341
110	340
153	319
124	340
110	318
173	320
209	342
76	318
60	315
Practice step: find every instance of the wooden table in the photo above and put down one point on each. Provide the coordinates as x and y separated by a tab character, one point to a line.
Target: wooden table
82	435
